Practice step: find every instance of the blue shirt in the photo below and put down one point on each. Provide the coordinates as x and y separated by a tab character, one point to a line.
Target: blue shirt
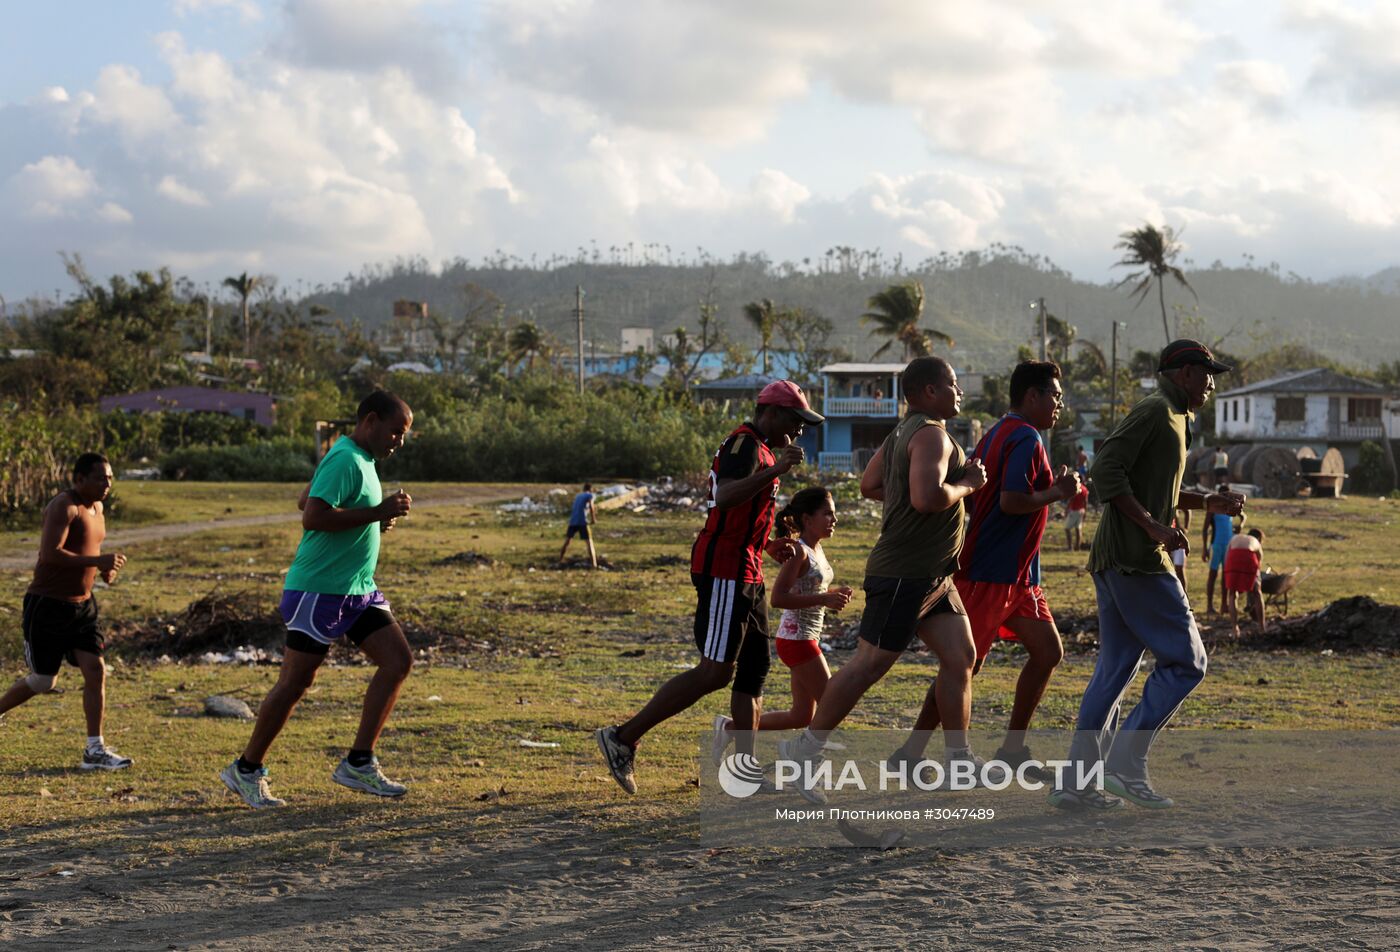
1000	547
1224	531
579	515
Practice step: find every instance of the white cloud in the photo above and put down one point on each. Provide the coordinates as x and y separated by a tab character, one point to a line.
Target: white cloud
172	189
114	214
247	10
52	186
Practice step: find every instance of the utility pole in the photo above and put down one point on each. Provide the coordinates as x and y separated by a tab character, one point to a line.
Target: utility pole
1113	383
578	313
208	323
1044	329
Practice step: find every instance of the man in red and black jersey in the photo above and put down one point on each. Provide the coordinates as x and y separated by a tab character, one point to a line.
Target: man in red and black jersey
731	614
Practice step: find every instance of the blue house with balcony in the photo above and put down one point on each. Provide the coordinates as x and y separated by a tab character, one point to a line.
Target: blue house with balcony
862	403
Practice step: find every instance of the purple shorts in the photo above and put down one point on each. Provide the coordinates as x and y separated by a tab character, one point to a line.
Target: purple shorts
328	618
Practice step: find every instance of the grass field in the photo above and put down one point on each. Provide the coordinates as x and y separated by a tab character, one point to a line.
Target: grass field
543	655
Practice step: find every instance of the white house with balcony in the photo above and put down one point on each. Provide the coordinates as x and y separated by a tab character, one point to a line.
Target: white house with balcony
862	403
1317	408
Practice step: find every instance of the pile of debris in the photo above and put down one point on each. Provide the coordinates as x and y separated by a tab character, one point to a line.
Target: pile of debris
1358	623
470	557
665	495
231	626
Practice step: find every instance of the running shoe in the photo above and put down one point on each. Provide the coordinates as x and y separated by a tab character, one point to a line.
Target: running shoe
252	787
1015	758
619	757
103	758
1135	791
720	739
801	751
367	779
1088	799
978	765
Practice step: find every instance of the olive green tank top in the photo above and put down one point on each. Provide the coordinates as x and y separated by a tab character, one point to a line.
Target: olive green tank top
915	544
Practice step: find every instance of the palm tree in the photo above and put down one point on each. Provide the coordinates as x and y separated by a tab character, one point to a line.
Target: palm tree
244	285
1153	250
764	317
526	342
896	312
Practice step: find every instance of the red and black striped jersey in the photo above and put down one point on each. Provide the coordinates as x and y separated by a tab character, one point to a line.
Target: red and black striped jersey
731	544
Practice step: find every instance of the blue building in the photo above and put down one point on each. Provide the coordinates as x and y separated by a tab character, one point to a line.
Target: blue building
862	403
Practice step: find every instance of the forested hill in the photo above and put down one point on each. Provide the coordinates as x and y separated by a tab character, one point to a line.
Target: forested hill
981	299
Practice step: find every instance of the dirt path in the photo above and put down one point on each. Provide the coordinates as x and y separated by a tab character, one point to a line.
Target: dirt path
544	881
24	558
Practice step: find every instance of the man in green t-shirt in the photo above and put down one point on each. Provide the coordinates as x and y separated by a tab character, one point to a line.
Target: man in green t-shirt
1142	606
330	594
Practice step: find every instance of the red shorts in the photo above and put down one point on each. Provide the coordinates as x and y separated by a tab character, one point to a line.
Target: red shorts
797	651
990	605
1241	570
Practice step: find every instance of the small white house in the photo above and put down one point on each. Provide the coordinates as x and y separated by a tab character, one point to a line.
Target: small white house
1313	407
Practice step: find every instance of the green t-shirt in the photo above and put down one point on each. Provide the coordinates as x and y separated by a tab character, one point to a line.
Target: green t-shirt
1145	456
340	563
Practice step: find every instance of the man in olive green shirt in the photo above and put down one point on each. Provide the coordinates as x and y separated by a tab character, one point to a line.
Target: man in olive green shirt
1142	606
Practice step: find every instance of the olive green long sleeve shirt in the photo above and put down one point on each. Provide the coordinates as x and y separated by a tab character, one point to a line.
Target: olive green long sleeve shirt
1145	457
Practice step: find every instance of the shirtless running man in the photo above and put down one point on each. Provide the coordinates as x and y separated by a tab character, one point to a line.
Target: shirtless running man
60	613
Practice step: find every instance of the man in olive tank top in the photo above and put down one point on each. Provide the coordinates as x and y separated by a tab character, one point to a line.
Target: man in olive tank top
921	475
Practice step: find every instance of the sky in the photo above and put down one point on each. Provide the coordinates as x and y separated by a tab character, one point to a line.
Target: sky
306	138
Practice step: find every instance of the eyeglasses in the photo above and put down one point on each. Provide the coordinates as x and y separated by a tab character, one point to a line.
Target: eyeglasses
1057	395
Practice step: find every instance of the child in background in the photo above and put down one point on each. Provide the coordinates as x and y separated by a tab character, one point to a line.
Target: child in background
803	591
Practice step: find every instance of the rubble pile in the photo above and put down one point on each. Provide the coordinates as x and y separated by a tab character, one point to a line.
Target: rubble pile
1358	623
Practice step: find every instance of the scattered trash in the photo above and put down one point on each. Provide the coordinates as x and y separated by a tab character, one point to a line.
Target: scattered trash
243	654
221	705
434	697
538	743
45	792
526	504
1358	623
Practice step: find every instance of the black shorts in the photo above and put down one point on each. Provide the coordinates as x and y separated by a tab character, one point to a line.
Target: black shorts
370	621
54	629
895	606
581	531
731	626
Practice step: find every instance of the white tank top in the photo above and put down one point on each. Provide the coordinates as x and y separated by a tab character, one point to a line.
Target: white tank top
805	624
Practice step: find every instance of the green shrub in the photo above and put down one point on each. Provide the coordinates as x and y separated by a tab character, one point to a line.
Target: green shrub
557	435
280	460
1370	474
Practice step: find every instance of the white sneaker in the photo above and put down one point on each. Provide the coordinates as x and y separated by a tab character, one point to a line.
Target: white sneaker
800	751
720	739
103	758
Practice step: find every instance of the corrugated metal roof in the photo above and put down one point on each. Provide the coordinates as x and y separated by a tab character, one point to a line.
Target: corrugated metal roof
864	368
1316	380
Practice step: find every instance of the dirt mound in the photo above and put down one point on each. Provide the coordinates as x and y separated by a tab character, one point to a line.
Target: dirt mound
218	622
470	557
1358	623
239	626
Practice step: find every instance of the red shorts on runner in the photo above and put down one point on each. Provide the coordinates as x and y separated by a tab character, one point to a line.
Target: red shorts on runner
796	651
991	604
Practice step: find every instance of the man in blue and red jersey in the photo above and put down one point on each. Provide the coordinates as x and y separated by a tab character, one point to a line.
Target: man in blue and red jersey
998	576
731	614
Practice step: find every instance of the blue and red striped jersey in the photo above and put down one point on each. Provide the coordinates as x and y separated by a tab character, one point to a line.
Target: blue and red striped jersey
731	544
1000	547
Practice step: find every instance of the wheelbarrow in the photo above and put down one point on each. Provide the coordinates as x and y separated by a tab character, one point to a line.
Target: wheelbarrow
1277	585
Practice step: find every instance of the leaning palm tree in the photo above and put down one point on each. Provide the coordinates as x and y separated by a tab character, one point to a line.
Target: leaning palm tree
244	285
764	317
526	342
1152	250
896	312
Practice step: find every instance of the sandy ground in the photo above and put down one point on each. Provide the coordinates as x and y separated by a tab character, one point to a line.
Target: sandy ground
558	881
23	558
